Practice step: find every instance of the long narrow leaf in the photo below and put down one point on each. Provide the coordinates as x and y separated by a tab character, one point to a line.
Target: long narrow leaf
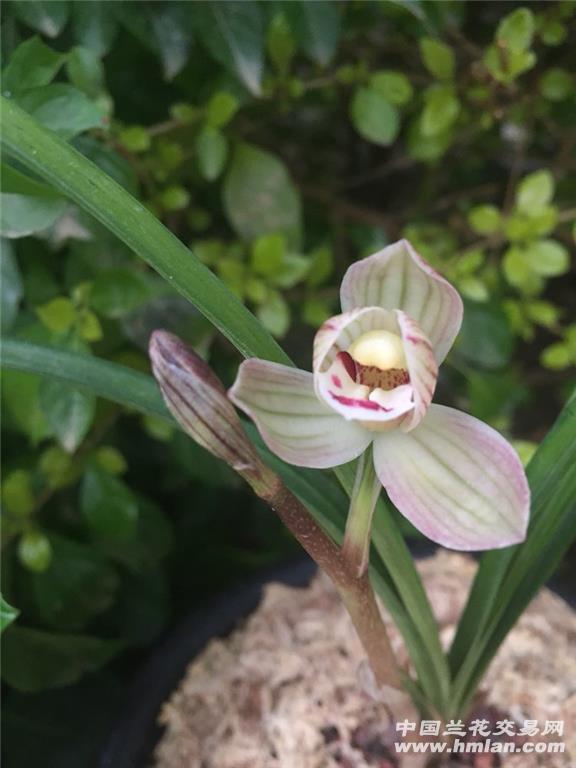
481	600
109	380
76	177
542	569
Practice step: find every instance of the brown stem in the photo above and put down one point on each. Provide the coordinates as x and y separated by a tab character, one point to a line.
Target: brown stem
356	592
361	604
165	127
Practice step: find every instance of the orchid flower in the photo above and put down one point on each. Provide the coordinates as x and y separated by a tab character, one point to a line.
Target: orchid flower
375	368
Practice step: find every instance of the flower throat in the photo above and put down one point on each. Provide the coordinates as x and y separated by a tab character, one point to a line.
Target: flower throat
377	360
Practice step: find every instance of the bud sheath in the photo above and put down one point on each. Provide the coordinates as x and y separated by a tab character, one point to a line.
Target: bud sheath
198	401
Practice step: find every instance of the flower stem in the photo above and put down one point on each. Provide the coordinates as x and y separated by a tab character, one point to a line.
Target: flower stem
361	604
356	546
355	589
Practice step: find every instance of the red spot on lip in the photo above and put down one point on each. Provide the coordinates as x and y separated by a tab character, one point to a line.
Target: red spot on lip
415	339
348	362
355	403
336	381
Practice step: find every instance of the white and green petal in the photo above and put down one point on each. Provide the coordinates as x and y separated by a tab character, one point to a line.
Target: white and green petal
422	368
397	277
457	480
294	423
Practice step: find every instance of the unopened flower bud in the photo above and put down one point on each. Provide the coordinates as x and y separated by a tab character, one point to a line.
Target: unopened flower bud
198	401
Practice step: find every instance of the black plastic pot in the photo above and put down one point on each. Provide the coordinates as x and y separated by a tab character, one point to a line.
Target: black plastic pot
137	732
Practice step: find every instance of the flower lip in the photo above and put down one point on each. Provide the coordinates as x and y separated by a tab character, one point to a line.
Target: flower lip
342	387
339	333
375	377
369	405
389	338
368	378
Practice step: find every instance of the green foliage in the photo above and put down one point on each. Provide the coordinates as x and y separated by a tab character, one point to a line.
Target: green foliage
62	108
535	192
85	71
135	138
116	292
394	86
280	43
35	551
316	27
78	585
515	31
511	56
43	16
220	109
111	460
35	660
11	289
32	65
234	33
259	181
212	149
165	31
57	314
485	219
268	253
274	314
17	494
440	111
374	117
556	84
562	354
108	505
57	467
68	413
438	58
24	215
93	26
281	142
485	340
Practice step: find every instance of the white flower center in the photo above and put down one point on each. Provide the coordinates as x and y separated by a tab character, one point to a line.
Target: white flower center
381	349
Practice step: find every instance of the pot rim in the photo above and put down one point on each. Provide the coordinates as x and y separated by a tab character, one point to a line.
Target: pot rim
136	730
